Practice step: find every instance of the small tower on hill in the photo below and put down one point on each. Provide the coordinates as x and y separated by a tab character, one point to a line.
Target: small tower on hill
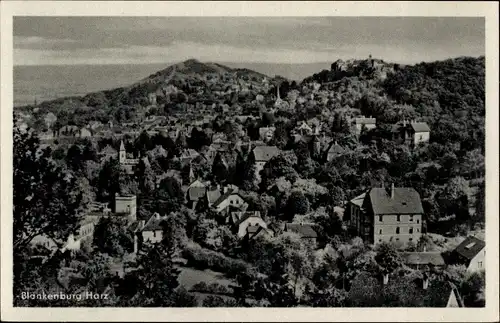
123	153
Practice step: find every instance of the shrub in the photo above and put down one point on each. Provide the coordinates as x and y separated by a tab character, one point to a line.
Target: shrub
202	259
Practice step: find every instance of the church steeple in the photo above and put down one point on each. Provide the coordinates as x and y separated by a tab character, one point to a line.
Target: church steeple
123	153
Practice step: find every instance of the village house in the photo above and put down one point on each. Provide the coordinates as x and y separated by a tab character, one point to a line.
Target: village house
150	231
304	230
393	215
228	201
363	122
417	133
128	164
249	224
196	191
420	260
334	151
261	155
471	253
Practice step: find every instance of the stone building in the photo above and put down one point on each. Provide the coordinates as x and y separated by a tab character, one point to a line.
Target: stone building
381	215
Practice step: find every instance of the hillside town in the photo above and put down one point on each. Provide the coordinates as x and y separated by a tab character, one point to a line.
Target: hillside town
203	185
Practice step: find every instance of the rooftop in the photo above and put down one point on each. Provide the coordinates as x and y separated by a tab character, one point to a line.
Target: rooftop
265	153
303	229
420	127
405	201
470	247
423	258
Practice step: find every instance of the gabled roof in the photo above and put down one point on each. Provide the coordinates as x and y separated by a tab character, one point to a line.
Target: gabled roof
358	200
242	216
423	258
420	127
265	153
470	247
303	229
335	148
223	197
196	192
213	195
405	201
154	223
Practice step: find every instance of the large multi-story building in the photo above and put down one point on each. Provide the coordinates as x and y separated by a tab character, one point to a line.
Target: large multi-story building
381	215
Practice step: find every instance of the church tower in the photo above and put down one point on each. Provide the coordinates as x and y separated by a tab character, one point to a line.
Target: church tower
123	153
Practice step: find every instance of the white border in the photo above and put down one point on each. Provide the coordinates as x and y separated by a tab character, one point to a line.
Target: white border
489	10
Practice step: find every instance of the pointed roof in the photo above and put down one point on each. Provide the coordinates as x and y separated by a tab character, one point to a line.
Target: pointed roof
122	146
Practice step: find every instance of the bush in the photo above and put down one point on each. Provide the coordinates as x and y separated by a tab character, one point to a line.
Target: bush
200	258
214	288
217	301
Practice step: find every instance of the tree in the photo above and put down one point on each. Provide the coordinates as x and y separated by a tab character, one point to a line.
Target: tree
109	180
387	258
455	198
297	204
472	289
46	198
220	168
157	276
110	237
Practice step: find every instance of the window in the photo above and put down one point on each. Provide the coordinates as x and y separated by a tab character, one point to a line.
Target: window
397	239
480	264
397	230
411	239
380	218
411	218
380	232
232	202
379	240
418	230
154	234
411	230
399	218
418	221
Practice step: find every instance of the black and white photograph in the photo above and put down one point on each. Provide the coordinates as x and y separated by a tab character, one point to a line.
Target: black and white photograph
250	161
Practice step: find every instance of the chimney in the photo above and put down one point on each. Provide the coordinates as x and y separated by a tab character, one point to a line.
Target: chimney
392	190
385	279
425	282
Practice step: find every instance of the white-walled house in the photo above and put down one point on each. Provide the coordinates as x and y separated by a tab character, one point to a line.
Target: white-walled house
229	199
246	223
471	252
150	231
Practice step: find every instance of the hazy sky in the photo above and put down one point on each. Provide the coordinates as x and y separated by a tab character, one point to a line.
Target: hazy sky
117	40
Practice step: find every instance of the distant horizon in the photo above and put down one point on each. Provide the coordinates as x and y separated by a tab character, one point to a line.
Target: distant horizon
250	63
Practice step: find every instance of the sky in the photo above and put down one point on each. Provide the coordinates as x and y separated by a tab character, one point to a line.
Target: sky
297	40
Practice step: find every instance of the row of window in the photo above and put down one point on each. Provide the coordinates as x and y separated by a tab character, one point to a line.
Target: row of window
381	218
397	239
410	231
